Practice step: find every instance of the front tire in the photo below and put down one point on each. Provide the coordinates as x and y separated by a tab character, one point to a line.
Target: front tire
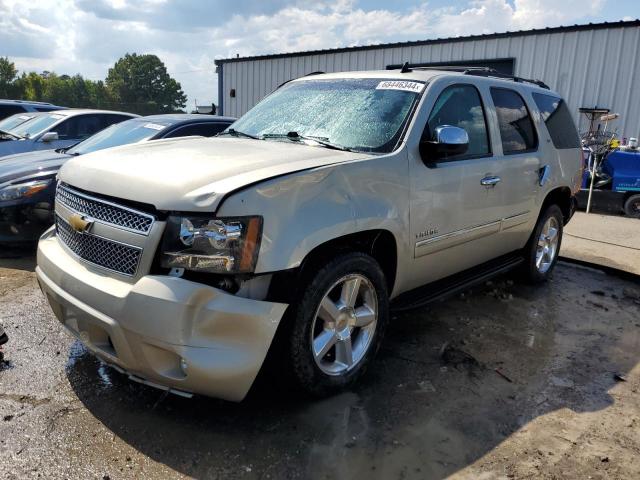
541	252
338	323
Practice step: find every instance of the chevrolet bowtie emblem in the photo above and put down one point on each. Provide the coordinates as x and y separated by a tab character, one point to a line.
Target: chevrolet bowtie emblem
79	223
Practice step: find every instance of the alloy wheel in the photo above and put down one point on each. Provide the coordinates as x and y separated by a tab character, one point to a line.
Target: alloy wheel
547	248
344	324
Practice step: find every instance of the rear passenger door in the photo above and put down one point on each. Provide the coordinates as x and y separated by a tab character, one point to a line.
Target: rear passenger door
519	158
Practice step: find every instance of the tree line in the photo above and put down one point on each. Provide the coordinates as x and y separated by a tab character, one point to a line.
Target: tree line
136	83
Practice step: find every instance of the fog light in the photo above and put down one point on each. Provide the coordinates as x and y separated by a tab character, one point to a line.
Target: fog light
183	366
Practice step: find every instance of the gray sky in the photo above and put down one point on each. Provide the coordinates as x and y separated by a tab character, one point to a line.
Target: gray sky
88	36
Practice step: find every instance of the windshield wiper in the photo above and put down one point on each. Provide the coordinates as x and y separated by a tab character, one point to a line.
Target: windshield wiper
295	136
237	133
6	132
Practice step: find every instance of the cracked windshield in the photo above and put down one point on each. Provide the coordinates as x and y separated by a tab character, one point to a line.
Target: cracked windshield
359	114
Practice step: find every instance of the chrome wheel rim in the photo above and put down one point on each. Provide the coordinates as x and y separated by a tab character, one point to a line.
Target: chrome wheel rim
344	324
547	248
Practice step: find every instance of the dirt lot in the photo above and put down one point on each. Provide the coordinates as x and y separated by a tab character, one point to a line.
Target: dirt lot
507	381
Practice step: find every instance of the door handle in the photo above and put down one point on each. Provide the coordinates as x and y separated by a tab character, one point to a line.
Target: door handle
543	175
490	181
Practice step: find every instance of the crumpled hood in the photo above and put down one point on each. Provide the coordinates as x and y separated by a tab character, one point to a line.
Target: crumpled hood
191	174
24	165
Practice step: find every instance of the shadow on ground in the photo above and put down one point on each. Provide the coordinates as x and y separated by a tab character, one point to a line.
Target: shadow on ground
415	415
18	258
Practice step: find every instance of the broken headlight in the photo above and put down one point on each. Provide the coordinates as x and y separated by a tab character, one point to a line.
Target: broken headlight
220	245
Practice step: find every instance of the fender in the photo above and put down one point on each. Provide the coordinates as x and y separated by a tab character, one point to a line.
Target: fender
304	210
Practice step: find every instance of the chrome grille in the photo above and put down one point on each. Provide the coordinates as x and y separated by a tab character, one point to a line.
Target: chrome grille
105	253
104	211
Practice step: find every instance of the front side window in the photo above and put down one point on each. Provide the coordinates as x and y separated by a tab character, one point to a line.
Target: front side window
461	106
516	127
362	114
79	127
558	119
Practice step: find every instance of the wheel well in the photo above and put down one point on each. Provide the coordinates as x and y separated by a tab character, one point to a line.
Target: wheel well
380	244
561	197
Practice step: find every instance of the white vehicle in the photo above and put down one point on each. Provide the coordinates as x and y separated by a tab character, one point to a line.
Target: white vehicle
182	262
57	129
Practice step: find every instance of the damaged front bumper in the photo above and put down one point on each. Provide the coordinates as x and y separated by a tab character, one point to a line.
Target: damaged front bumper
164	331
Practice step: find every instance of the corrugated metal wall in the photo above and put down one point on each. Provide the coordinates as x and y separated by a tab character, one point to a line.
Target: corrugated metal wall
588	67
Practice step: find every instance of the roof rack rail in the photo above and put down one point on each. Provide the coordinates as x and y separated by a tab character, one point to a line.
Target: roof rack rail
302	76
478	71
24	101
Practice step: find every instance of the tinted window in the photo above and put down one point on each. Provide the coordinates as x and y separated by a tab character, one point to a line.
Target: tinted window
110	119
46	109
558	119
461	106
7	110
516	128
203	129
79	127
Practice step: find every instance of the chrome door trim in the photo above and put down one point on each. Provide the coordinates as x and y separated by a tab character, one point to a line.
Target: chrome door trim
452	239
515	220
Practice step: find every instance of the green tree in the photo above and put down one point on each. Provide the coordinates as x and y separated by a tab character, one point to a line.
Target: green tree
142	85
8	75
30	86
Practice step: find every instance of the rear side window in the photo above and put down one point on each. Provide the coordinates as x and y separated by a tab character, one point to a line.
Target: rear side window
516	127
203	129
558	120
461	106
110	119
8	110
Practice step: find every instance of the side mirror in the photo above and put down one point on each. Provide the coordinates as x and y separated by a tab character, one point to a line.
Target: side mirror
49	137
448	141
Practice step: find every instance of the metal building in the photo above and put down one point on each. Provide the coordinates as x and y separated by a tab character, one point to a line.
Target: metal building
590	65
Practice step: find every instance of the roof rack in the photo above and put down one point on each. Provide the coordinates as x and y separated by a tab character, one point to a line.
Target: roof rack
478	71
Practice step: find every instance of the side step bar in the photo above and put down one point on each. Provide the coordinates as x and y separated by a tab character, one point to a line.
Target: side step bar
449	286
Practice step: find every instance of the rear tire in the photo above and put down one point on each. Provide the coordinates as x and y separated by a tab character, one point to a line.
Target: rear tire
541	252
632	206
337	324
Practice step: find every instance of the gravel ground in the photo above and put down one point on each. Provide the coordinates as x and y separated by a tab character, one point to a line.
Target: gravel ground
505	381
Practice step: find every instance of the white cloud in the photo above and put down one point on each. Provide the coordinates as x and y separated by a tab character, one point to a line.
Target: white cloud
87	37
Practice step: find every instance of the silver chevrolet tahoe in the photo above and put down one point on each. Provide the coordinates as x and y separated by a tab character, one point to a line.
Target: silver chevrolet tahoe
184	262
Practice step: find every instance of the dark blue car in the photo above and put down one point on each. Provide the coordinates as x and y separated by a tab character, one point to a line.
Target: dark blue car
27	181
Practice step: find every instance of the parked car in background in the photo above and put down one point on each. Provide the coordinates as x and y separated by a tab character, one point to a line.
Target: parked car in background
11	122
11	107
184	263
27	180
59	129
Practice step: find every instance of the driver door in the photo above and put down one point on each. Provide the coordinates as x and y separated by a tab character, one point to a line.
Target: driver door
454	216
